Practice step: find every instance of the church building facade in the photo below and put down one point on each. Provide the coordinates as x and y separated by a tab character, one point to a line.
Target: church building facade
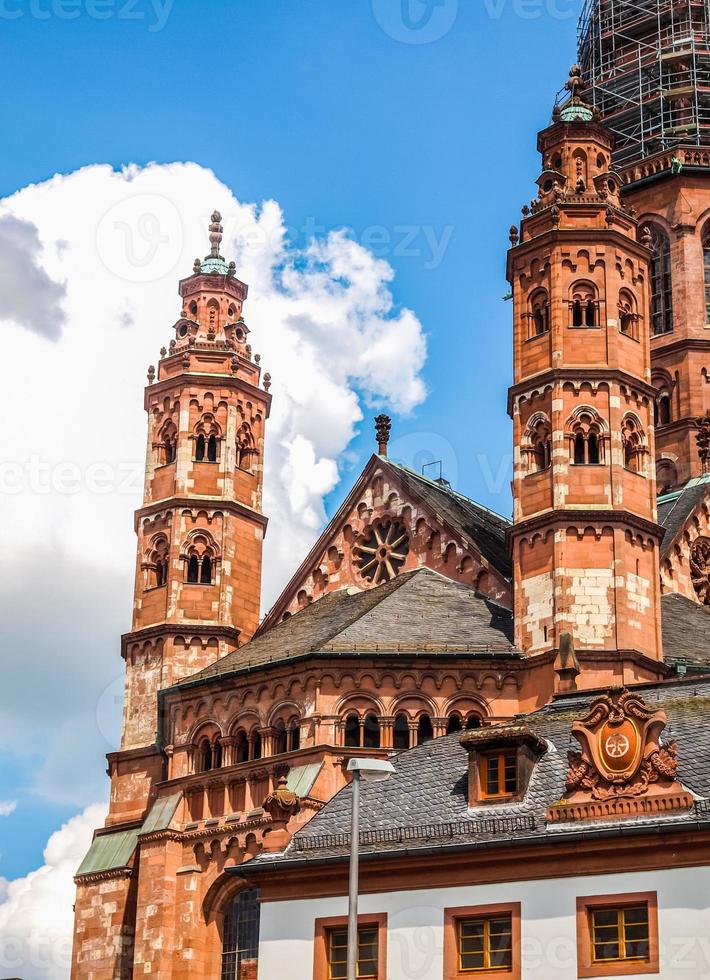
424	627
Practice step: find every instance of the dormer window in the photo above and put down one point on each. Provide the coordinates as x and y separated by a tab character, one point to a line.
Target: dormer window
499	774
500	763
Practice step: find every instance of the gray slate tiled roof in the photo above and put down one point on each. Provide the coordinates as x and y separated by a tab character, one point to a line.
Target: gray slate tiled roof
419	611
674	509
686	631
425	802
483	527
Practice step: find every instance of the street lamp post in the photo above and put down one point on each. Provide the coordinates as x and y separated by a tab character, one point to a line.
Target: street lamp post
375	771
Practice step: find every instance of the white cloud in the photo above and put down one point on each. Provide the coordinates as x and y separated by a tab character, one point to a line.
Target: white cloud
89	264
7	807
36	911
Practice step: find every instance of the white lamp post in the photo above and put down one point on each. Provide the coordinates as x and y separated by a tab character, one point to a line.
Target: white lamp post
374	771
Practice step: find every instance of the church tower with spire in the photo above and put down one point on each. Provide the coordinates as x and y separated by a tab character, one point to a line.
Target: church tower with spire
200	528
585	540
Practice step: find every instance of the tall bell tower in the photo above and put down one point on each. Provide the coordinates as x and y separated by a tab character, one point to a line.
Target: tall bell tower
200	529
585	540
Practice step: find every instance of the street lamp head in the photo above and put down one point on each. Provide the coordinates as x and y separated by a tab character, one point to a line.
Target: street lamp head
371	770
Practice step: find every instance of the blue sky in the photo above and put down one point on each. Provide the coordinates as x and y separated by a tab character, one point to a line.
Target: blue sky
349	113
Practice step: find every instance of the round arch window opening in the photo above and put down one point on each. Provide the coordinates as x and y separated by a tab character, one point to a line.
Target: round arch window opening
381	551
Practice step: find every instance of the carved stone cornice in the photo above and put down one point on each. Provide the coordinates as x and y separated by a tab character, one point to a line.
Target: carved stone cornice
97	876
200	503
580	374
179	629
585	516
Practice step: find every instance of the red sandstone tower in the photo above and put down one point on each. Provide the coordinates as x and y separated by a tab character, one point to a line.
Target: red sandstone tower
648	68
200	529
585	540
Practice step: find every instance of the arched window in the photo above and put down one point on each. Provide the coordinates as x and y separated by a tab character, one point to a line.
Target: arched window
205	755
706	272
666	475
539	313
592	447
371	732
246	450
256	745
661	282
294	735
633	442
454	724
168	444
663	408
157	564
425	731
207	436
240	936
199	554
628	316
400	733
280	737
473	721
537	443
241	750
584	307
352	730
586	440
217	755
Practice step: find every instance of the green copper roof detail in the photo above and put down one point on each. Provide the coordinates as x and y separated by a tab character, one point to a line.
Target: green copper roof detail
214	265
109	852
576	113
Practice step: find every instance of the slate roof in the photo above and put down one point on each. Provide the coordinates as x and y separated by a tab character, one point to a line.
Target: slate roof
686	631
418	612
424	803
483	527
674	509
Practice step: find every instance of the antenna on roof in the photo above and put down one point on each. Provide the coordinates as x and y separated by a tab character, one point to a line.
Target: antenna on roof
437	479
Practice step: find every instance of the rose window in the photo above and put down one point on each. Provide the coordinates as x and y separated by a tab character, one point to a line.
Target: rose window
381	551
700	569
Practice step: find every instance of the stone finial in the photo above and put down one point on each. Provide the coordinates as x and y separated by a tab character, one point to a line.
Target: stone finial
514	235
646	237
232	270
281	805
151	374
197	267
575	83
383	427
702	438
267	381
163	351
215	234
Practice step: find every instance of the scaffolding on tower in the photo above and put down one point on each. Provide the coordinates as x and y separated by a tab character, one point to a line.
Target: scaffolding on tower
647	67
